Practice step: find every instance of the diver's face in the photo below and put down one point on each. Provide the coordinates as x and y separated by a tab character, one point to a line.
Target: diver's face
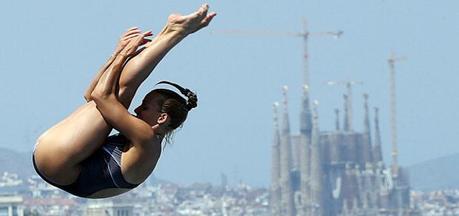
149	111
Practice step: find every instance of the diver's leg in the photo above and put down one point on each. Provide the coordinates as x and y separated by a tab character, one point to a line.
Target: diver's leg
61	149
177	28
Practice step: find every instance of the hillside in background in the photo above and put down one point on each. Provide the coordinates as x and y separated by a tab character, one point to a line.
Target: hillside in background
16	162
435	174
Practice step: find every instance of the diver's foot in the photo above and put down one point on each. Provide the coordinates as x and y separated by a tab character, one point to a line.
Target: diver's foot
187	24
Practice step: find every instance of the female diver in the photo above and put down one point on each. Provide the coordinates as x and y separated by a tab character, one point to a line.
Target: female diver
78	155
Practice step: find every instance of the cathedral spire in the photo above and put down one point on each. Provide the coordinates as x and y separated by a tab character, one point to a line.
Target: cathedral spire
285	127
305	152
347	123
337	127
367	149
316	166
275	196
367	116
377	146
305	116
287	203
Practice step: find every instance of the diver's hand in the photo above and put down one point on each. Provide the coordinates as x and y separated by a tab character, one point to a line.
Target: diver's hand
187	24
130	46
131	34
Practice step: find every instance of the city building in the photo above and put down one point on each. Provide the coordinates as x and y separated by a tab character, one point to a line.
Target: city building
11	205
98	208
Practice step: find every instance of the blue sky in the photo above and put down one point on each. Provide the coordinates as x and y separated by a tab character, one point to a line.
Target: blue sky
51	50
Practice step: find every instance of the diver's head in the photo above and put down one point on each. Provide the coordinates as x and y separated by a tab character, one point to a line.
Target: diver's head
166	108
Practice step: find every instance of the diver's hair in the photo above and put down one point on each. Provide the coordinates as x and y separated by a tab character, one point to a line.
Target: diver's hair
192	101
173	104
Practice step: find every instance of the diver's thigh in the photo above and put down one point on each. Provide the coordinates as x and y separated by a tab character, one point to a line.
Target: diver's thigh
73	139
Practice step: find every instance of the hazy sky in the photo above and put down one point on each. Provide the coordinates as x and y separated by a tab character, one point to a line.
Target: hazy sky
50	50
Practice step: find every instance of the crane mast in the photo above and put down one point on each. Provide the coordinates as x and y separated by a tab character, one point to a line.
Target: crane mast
305	54
305	35
393	112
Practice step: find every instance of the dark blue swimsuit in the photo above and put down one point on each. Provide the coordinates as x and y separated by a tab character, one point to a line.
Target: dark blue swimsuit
101	170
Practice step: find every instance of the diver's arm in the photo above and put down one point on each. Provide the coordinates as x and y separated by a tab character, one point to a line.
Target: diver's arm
87	95
106	98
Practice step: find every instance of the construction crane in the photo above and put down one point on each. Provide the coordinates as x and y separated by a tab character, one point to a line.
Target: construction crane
393	112
348	84
305	34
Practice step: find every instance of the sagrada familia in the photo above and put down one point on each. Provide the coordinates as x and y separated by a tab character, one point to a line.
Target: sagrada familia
333	173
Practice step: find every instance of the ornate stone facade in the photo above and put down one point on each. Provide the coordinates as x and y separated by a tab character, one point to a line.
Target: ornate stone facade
335	173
